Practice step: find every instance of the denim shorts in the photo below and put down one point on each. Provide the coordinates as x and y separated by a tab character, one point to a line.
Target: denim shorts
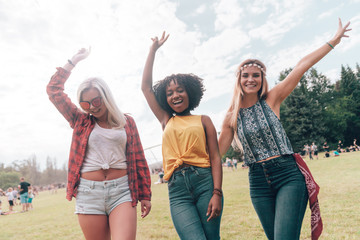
101	197
24	197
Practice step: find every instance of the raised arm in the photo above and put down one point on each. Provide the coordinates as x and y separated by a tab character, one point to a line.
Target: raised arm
55	88
284	88
79	56
147	81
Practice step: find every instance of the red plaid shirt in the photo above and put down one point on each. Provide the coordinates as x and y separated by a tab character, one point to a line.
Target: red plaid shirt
83	123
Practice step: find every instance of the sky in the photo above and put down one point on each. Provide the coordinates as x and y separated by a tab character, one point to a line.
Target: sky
208	38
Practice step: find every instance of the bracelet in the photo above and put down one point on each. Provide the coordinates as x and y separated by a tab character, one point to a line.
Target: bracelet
71	63
218	192
330	45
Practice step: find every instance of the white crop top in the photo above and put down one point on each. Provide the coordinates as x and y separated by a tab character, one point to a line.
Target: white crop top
106	149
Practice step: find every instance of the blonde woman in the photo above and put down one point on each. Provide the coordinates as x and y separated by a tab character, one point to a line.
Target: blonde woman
108	173
277	186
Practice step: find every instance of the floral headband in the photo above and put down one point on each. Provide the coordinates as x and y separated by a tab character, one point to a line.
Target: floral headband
253	65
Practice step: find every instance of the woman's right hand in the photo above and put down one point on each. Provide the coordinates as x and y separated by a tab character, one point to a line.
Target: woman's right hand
158	43
80	55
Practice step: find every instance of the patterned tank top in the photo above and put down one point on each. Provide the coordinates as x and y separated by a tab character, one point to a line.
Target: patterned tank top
261	133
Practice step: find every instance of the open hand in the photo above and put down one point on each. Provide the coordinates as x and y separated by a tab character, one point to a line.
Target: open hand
341	32
80	55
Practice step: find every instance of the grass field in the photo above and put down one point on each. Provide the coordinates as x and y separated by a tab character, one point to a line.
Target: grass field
339	179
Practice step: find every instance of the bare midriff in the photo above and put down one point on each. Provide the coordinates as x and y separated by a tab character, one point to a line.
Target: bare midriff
104	174
267	159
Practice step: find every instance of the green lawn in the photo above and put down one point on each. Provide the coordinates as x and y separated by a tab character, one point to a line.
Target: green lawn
339	180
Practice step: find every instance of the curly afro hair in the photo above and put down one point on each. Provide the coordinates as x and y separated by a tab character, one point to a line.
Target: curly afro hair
193	86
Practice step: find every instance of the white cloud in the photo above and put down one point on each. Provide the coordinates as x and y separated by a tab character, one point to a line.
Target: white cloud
282	20
327	13
201	9
228	13
333	74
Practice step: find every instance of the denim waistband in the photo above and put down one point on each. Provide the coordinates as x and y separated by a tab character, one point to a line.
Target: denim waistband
273	161
104	184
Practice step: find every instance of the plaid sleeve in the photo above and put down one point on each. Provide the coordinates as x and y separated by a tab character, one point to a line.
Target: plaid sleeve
55	90
143	173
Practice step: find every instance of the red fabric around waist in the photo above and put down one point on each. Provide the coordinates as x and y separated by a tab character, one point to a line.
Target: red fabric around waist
313	191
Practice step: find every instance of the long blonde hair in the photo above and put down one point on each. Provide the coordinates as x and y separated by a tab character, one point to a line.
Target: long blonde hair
116	119
239	94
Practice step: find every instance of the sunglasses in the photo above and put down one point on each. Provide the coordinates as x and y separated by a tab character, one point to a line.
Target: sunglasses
96	102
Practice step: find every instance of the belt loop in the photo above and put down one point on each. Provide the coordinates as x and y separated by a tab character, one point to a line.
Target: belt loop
92	184
251	166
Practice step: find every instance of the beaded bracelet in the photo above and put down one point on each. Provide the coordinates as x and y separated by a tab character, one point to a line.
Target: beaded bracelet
218	192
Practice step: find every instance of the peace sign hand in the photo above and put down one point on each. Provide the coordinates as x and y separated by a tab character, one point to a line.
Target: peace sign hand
158	43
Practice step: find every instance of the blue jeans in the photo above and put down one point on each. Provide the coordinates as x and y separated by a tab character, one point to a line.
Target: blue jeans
279	196
190	191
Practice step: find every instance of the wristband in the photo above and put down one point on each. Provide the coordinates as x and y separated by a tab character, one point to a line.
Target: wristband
330	45
71	63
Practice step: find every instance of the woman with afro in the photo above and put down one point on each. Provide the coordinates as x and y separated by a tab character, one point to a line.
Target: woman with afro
191	159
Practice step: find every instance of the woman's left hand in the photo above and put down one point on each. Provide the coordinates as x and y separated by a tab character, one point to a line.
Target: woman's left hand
341	32
145	207
214	208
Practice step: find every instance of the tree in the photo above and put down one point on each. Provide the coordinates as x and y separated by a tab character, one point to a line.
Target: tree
349	94
231	153
9	179
302	111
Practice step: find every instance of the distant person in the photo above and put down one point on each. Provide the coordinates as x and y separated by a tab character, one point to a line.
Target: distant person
326	149
229	163
278	188
161	176
356	147
307	151
311	152
10	197
314	149
23	188
336	153
235	162
108	173
15	194
30	199
340	147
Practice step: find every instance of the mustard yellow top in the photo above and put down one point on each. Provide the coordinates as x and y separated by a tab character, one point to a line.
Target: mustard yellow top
184	141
